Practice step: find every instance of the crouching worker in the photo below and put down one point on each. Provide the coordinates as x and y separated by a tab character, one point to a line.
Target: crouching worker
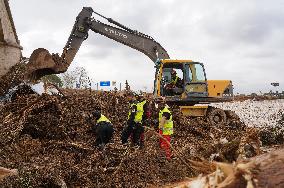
103	129
165	129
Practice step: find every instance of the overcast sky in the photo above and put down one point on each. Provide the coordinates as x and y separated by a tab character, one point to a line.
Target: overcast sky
238	40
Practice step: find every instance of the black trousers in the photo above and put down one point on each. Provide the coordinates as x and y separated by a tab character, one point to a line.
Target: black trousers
104	133
136	129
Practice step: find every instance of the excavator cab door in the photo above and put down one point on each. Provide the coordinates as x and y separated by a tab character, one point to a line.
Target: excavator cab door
192	86
170	86
195	80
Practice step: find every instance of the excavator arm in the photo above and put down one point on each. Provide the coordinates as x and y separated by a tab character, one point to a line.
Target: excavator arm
42	63
135	40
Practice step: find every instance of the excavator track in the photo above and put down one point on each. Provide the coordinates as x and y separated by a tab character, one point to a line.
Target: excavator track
218	117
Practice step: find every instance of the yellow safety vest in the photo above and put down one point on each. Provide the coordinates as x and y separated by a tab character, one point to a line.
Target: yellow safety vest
103	118
140	111
131	106
174	81
168	126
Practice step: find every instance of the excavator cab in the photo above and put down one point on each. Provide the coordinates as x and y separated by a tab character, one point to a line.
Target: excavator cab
181	80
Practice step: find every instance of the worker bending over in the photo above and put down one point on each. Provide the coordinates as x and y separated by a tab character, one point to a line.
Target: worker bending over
103	129
165	128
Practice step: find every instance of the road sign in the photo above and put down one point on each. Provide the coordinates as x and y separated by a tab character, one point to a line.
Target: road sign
78	85
104	83
275	84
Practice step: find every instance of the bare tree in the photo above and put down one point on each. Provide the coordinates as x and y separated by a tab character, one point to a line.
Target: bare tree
68	79
82	77
78	77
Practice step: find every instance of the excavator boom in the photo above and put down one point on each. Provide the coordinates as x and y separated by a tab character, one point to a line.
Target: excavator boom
42	63
135	40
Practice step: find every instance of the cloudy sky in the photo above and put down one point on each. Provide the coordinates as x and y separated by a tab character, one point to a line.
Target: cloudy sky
239	40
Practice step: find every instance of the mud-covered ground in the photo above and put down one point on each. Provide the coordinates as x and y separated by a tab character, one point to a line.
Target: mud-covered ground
48	139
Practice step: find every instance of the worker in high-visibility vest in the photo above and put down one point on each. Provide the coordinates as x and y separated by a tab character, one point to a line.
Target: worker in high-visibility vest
175	83
142	114
175	79
136	117
128	129
103	129
165	128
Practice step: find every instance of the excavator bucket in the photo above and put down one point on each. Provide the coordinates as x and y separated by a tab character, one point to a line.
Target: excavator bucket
42	63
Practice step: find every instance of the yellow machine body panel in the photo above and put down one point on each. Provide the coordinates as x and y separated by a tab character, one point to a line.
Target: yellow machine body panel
195	88
193	111
219	88
164	61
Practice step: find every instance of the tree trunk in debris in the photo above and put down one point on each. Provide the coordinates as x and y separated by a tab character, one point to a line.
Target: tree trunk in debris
266	170
4	172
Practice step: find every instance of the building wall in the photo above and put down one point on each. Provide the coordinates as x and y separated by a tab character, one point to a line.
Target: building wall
10	49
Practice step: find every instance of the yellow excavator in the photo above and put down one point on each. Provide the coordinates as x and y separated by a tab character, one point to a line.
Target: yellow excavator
194	88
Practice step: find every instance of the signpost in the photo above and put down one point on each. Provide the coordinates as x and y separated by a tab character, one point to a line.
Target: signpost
275	84
78	85
104	83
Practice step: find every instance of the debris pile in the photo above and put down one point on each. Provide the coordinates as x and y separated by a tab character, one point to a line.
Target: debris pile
14	77
273	135
267	116
262	171
48	139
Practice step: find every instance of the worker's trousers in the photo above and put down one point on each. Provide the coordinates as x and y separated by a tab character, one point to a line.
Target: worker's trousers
164	145
104	133
133	130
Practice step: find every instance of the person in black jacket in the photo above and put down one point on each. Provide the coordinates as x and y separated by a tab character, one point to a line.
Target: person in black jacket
103	129
130	125
138	113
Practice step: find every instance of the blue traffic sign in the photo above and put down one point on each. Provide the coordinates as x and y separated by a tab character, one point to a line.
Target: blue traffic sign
104	83
78	85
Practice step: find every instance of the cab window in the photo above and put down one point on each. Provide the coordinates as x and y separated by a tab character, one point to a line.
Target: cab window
196	73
